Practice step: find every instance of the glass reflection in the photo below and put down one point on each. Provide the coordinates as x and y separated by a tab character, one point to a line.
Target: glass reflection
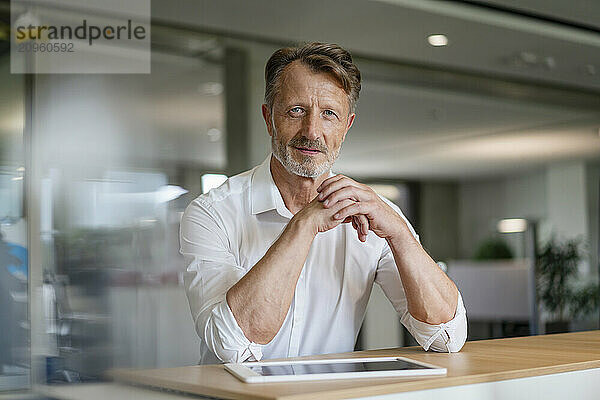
118	157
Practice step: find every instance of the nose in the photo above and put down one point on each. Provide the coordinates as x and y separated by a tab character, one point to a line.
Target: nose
312	126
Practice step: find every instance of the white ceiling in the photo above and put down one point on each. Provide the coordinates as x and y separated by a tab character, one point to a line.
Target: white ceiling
580	12
406	127
428	133
481	40
416	130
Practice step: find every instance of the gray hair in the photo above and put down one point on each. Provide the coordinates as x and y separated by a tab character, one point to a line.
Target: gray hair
319	57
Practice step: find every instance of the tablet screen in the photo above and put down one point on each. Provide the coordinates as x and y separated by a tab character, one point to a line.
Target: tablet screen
306	369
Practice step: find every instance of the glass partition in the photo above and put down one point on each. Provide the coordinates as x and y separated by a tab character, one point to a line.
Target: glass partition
14	299
116	160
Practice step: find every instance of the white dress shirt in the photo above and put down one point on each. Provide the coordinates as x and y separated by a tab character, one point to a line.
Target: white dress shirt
228	230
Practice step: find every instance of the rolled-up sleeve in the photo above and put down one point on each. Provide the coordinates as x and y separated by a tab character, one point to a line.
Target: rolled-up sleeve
449	336
211	272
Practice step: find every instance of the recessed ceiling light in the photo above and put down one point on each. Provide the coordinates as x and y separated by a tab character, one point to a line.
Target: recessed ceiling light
550	62
528	57
512	225
437	40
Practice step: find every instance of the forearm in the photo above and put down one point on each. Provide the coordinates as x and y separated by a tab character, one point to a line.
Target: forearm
261	299
431	296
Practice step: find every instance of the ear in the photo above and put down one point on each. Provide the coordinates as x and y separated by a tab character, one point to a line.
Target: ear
350	122
266	113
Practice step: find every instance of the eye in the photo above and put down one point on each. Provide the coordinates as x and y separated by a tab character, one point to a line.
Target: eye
296	110
329	113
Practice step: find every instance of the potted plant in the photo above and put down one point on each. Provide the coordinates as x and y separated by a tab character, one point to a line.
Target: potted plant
493	249
557	268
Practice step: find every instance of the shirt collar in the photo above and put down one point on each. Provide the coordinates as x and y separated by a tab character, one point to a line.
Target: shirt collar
261	188
265	194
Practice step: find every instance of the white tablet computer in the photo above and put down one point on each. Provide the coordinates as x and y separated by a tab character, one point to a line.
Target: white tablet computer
305	370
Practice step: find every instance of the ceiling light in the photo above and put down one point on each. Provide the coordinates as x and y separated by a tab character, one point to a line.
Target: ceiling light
529	57
550	62
437	40
512	225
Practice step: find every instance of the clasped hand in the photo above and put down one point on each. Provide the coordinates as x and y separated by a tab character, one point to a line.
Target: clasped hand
343	200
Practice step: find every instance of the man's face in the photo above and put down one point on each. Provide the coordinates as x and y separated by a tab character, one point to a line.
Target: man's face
309	121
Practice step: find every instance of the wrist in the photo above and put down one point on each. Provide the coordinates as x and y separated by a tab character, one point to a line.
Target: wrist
300	226
401	237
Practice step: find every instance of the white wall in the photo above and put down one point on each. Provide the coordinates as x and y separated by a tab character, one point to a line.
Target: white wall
483	203
566	196
566	192
593	209
381	326
563	198
438	219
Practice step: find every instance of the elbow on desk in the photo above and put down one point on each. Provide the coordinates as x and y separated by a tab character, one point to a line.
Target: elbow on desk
458	336
455	347
222	344
461	335
456	340
219	331
450	338
450	344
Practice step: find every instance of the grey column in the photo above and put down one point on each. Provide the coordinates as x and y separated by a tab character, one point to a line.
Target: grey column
237	125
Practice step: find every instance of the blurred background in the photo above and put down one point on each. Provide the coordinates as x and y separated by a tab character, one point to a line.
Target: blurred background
480	119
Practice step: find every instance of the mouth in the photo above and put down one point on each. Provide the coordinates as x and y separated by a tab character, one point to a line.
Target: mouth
307	150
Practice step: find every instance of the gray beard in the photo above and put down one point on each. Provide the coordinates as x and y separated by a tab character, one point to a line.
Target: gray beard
306	168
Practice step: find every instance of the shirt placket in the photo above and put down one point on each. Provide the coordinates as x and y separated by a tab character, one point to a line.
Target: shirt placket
298	316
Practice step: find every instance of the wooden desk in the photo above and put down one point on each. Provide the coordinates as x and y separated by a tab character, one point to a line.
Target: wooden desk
479	362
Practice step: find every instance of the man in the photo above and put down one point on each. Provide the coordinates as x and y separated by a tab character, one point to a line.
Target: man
282	258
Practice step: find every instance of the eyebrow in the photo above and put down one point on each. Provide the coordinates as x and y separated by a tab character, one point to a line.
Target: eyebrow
324	106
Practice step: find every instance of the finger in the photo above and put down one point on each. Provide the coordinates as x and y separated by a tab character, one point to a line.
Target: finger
363	226
330	180
333	183
356	225
348	192
338	206
363	223
348	209
337	185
